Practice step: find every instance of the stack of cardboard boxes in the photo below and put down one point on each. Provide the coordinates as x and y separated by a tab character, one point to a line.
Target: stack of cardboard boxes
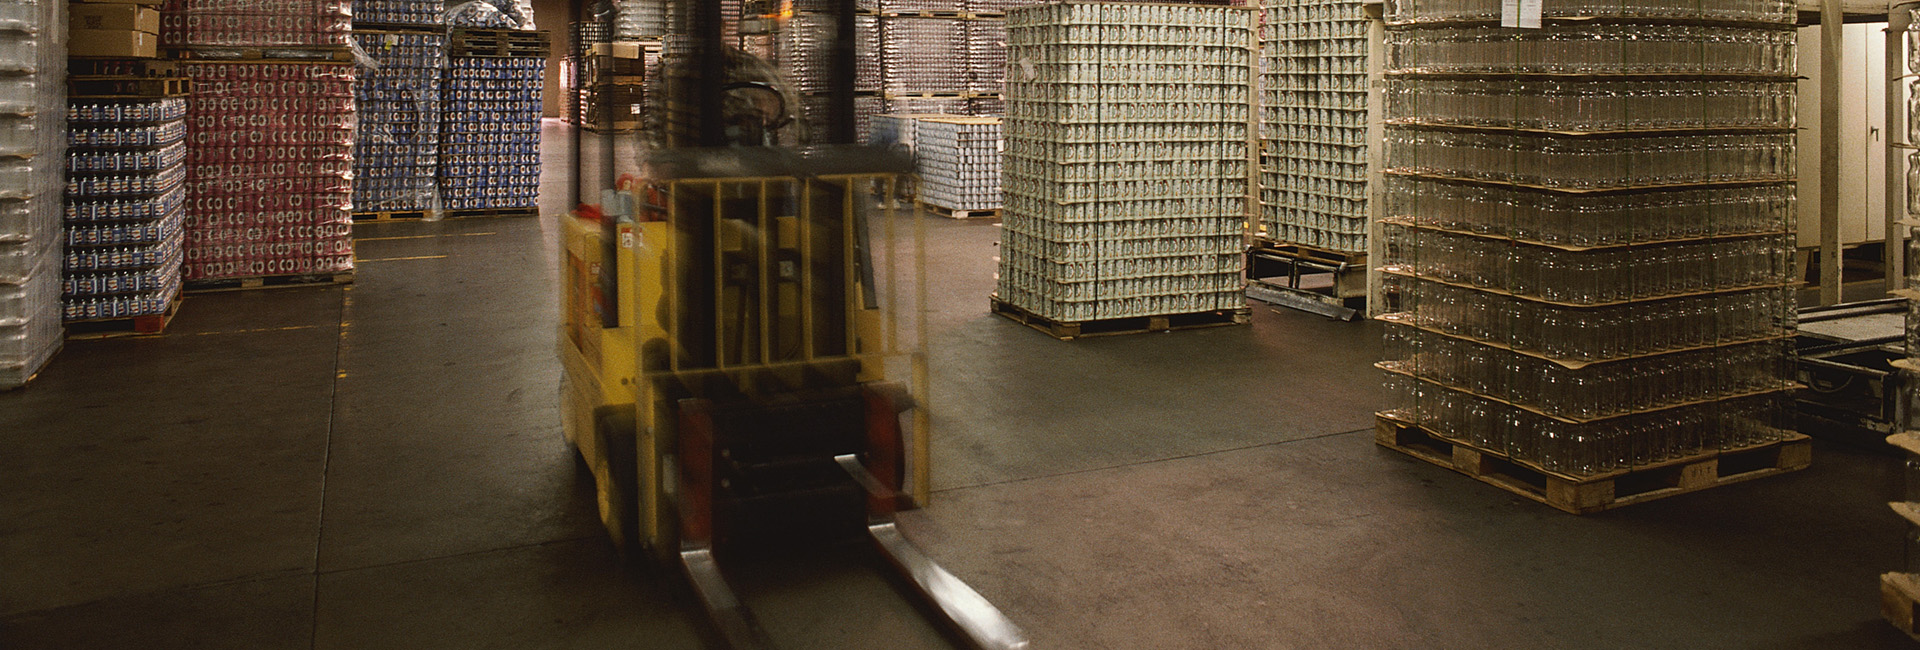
114	28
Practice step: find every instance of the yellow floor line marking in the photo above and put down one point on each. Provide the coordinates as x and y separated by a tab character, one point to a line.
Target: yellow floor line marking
263	329
400	259
452	234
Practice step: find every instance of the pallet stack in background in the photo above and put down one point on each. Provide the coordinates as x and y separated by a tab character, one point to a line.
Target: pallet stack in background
126	197
612	85
958	162
398	101
1313	176
270	139
1128	167
490	153
1592	308
33	59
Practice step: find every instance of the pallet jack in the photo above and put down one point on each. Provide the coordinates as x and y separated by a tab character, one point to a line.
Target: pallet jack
732	319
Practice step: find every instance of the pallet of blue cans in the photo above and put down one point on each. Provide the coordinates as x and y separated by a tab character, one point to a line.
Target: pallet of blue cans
490	136
397	137
123	235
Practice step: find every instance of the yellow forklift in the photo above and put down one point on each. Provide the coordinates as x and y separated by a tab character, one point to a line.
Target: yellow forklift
743	334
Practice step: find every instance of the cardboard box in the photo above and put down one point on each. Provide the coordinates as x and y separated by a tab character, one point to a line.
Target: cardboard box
150	3
112	42
114	17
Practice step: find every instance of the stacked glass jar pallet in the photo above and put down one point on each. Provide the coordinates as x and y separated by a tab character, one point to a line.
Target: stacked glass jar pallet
32	69
269	172
397	137
958	162
1900	590
1127	170
1588	259
490	153
124	243
1313	174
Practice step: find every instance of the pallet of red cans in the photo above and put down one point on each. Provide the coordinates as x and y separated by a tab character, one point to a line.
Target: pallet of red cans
490	150
269	181
245	24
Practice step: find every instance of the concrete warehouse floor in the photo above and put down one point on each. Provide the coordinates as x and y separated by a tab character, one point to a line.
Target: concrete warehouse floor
381	466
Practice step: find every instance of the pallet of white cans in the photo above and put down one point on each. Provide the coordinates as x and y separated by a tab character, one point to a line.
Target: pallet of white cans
958	160
1313	181
1127	170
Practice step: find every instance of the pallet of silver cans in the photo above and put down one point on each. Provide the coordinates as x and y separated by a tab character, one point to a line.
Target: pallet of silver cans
1313	174
1127	144
958	160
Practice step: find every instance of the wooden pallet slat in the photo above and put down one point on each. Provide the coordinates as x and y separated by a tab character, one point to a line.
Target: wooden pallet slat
1069	330
269	282
106	328
117	67
492	212
1606	490
212	54
390	215
1900	601
952	213
127	86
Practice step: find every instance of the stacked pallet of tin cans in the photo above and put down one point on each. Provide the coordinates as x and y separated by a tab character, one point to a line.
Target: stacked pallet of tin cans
1128	163
269	172
1313	176
243	28
805	56
1588	292
124	238
32	142
958	161
270	139
490	151
407	13
397	137
639	20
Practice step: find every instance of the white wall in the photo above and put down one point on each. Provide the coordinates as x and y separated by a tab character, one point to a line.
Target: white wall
1863	136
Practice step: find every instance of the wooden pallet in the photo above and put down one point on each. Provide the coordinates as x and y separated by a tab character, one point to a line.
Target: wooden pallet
1309	253
36	373
118	67
492	212
261	54
107	328
499	43
963	214
1588	494
391	215
1067	331
360	27
269	282
1898	595
127	86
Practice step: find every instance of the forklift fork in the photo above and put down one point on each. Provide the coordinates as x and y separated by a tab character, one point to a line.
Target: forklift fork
977	620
